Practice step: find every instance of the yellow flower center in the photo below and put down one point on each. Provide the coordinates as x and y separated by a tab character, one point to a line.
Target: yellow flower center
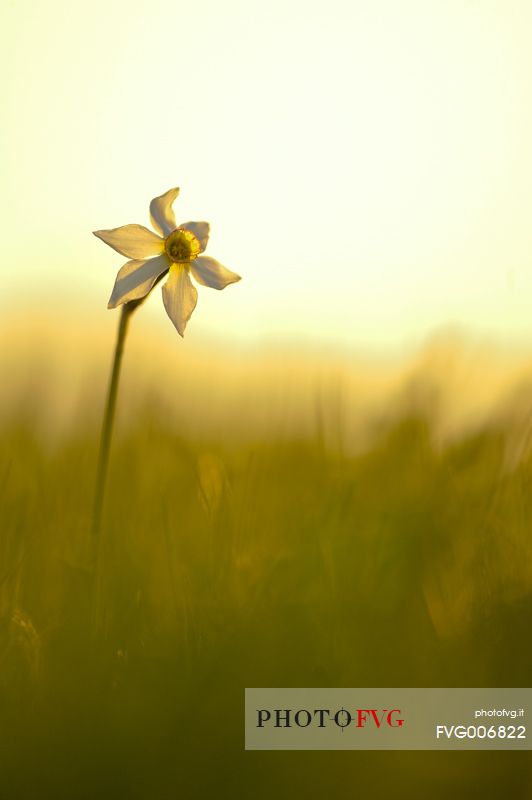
182	246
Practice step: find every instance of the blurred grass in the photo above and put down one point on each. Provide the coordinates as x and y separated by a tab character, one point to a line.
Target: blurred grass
283	558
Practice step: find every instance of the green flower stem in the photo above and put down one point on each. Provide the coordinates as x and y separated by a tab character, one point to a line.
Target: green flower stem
103	463
107	428
105	447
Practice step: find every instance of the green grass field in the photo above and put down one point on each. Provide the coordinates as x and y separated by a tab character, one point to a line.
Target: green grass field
273	560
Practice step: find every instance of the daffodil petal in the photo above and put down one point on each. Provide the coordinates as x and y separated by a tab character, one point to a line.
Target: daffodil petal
161	213
200	231
133	241
210	272
135	280
179	297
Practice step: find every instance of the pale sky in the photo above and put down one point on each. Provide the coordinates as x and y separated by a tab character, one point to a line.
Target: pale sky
366	166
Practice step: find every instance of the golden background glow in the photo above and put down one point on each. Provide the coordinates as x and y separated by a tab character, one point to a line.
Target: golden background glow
365	166
327	483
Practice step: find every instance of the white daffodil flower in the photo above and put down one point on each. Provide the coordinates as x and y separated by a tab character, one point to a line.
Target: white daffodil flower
176	251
